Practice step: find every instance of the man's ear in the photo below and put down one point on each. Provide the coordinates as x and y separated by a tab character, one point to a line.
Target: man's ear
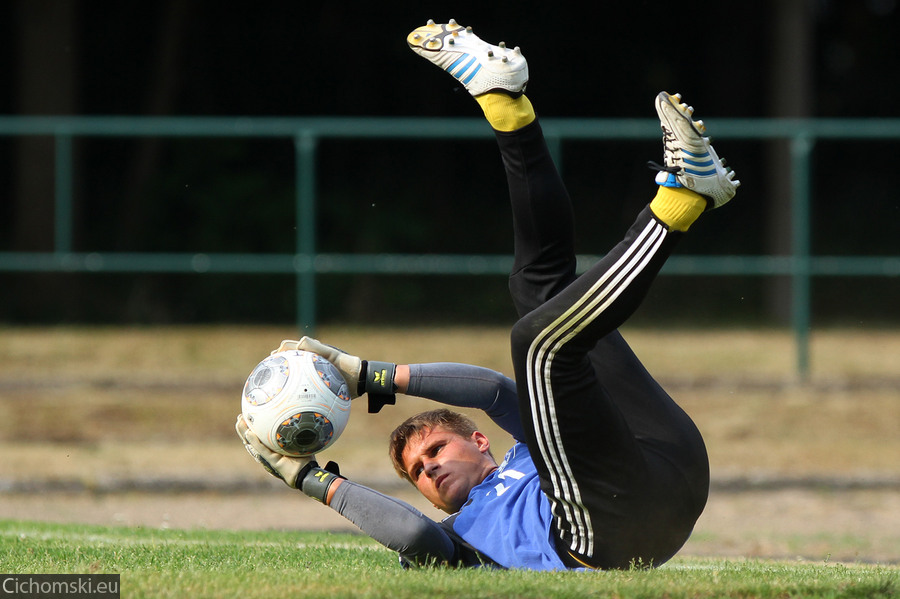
481	441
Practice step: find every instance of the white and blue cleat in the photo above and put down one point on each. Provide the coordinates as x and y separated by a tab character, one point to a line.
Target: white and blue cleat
480	67
689	158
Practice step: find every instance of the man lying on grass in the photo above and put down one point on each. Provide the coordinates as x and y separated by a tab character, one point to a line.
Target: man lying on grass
607	470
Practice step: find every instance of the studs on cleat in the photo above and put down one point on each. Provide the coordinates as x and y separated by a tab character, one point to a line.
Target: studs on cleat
470	60
689	153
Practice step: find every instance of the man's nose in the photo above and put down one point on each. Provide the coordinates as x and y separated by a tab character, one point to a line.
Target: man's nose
430	466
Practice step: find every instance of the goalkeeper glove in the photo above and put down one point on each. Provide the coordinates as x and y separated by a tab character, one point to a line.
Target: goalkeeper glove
297	473
362	376
349	366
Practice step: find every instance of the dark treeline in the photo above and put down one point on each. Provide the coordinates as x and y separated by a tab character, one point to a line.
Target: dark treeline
787	58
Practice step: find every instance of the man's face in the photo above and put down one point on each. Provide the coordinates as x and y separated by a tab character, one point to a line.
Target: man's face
445	466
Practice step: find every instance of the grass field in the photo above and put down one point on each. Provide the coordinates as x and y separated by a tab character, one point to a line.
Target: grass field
119	456
169	563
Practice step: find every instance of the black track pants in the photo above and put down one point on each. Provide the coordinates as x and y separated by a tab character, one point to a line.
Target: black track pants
625	468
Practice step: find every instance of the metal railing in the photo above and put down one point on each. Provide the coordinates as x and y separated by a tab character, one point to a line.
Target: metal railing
306	263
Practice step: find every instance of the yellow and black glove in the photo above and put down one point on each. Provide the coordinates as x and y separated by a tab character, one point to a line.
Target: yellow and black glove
363	376
297	473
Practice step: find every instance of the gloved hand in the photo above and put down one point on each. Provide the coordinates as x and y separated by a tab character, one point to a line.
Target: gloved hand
297	473
362	376
349	366
288	469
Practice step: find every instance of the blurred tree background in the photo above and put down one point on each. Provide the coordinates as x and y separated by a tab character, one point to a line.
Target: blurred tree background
775	58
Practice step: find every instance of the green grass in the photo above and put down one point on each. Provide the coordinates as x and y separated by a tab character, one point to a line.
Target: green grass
205	563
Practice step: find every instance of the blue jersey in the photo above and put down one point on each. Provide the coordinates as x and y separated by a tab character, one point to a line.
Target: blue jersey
507	517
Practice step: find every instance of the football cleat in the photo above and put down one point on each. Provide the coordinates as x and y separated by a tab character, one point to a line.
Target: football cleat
689	158
479	66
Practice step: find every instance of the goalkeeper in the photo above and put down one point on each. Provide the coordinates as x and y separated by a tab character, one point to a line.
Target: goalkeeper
607	471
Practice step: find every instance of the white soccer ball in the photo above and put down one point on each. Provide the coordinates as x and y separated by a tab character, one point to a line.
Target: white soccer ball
296	402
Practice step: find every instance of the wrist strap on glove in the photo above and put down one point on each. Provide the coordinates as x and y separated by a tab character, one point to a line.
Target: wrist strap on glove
377	380
315	481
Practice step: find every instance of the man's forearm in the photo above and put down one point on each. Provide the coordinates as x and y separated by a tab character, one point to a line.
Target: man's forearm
393	523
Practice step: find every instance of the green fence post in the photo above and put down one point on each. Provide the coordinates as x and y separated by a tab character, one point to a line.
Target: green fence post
305	143
801	149
62	220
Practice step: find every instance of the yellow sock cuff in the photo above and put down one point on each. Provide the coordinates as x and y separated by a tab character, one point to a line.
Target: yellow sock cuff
677	207
504	112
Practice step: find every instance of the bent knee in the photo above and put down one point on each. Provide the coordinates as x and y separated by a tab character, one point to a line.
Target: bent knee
524	333
535	338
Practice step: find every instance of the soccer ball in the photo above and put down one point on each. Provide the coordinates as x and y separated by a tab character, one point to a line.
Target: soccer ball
296	402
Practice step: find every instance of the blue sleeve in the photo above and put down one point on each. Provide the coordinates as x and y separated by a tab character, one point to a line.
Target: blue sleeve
467	386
